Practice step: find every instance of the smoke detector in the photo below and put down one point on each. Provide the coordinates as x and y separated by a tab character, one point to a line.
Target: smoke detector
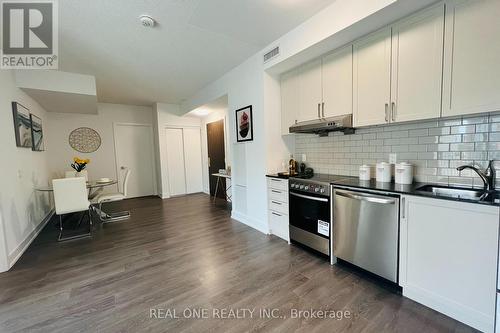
147	21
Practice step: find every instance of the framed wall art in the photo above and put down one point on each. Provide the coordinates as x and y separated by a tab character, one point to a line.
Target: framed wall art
244	124
22	125
36	133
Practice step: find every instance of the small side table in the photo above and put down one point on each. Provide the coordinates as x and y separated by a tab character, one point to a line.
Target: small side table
219	176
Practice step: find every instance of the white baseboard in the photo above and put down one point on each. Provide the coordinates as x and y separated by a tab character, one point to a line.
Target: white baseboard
251	222
21	248
467	315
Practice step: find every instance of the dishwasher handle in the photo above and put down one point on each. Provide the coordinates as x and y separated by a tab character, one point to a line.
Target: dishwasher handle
365	197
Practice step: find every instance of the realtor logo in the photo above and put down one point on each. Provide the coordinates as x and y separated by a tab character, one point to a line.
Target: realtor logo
29	34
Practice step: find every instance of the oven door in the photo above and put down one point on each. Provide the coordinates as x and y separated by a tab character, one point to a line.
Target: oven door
310	213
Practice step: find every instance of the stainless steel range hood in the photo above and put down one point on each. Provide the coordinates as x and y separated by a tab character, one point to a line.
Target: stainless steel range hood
324	125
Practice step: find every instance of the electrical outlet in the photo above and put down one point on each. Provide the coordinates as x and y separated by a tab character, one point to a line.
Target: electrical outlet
304	158
393	158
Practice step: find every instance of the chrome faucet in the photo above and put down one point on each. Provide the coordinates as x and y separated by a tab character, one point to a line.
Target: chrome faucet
488	176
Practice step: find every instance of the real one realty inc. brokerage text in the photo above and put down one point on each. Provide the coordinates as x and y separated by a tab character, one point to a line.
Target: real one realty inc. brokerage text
247	313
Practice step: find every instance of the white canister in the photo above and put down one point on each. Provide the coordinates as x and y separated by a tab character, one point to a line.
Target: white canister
384	174
365	172
404	173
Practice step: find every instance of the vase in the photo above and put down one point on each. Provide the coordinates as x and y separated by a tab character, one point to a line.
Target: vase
83	174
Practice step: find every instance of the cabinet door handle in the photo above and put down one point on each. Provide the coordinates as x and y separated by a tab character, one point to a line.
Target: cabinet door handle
276	214
323	109
403	209
393	111
276	191
386	112
276	203
319	110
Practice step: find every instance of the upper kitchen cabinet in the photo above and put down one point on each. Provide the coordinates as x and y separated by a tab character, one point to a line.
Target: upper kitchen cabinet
337	83
290	99
372	79
417	66
472	53
310	91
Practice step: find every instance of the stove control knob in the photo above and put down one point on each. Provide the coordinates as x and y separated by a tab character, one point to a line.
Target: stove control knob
292	185
322	190
316	189
301	187
306	188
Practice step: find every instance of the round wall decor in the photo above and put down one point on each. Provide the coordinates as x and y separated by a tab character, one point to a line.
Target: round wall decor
84	140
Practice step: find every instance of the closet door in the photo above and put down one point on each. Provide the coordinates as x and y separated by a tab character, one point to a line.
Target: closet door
175	161
372	79
417	66
192	160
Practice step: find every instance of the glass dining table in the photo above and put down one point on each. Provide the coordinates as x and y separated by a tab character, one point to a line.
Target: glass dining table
94	187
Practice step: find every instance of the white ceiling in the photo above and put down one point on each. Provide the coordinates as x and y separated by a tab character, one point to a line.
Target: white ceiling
195	42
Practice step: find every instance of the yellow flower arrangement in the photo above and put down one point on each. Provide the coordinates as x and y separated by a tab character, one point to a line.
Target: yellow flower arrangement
79	163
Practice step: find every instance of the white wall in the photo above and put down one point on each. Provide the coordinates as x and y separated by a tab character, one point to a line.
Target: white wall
22	210
167	115
103	161
250	84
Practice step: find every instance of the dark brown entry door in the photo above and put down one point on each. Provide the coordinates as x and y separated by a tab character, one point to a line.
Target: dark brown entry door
216	156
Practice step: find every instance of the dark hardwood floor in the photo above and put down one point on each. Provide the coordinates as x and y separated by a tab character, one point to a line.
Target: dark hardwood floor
186	253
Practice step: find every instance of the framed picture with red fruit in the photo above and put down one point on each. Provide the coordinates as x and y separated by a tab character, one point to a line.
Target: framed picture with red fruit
244	124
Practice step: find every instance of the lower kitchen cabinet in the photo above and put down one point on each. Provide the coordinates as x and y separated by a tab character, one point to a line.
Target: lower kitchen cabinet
448	258
277	195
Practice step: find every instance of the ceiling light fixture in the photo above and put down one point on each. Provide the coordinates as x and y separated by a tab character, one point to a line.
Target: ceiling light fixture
147	21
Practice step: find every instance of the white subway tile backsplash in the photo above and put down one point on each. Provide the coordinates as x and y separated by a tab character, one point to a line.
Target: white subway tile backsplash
450	139
463	129
435	148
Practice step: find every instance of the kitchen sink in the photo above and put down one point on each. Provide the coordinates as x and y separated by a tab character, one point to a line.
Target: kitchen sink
454	192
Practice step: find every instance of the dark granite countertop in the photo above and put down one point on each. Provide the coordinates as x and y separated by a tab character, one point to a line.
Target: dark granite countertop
355	183
275	175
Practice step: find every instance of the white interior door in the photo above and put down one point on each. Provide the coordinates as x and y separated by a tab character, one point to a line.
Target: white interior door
192	160
175	161
134	150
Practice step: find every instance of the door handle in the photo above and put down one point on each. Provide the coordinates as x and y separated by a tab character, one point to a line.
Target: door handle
323	109
276	214
209	162
368	198
276	202
393	111
403	208
319	110
309	197
386	112
274	191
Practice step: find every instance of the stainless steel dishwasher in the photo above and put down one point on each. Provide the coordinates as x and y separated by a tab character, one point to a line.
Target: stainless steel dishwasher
365	231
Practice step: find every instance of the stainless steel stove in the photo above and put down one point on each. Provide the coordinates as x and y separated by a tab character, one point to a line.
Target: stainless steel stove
311	211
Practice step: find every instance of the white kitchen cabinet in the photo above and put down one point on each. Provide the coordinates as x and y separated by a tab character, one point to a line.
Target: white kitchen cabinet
310	91
372	79
290	99
471	60
417	66
277	193
448	258
337	83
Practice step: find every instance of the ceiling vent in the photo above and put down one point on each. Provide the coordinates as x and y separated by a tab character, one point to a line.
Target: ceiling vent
272	54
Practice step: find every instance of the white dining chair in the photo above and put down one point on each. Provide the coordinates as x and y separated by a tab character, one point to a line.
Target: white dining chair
70	196
111	197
